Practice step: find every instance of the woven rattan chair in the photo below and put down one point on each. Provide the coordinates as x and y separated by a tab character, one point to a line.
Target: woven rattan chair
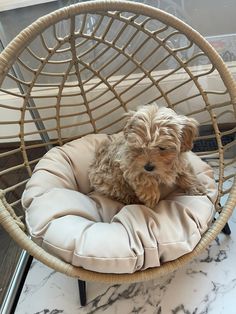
77	70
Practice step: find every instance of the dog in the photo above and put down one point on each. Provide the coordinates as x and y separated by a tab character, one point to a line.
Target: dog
151	151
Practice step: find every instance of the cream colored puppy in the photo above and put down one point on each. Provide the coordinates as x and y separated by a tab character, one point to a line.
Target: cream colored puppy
151	151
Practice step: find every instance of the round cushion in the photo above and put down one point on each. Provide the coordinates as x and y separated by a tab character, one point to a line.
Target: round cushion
86	229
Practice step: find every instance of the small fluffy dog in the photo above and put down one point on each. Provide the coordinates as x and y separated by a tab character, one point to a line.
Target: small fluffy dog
151	151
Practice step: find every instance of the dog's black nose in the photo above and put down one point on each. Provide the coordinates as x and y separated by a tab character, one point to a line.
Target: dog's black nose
149	167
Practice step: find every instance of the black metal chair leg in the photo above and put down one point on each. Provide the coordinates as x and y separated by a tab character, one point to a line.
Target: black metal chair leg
226	230
82	292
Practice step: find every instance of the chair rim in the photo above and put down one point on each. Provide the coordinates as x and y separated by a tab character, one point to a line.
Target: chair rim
9	55
23	240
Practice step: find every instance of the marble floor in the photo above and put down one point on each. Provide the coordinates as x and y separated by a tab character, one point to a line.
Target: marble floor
205	285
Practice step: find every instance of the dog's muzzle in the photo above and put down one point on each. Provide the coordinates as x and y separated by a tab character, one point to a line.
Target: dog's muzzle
149	167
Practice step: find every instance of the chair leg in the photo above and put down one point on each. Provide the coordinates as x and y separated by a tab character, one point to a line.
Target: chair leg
226	230
82	292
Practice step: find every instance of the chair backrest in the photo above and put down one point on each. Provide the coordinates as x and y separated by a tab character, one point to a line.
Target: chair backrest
78	70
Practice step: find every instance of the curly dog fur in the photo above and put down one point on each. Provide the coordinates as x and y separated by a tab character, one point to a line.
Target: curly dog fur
151	151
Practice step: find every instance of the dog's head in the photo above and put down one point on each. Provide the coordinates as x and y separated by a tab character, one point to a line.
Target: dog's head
155	137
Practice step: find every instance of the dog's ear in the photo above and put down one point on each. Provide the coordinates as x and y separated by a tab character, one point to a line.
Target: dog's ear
189	132
129	122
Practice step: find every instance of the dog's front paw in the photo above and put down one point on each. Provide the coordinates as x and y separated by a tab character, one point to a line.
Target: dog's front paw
197	190
146	188
151	199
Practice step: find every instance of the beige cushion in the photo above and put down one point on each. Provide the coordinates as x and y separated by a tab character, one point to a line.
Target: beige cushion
89	230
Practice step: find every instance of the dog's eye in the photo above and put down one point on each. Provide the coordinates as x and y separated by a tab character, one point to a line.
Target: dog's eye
139	150
162	148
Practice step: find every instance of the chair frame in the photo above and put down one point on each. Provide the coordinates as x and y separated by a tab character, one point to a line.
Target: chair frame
14	225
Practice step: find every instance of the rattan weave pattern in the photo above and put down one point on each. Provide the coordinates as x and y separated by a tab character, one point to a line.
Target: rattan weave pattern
78	69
